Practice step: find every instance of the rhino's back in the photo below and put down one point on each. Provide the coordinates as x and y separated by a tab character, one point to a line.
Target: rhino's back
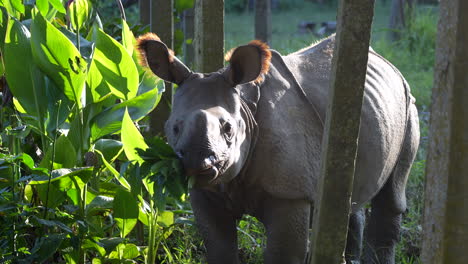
286	161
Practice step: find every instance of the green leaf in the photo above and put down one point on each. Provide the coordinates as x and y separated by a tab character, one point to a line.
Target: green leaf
4	20
110	243
90	244
181	5
58	58
110	120
166	218
125	205
112	70
18	5
110	148
43	6
116	174
46	246
127	38
86	47
57	4
125	211
19	69
99	204
65	155
78	12
54	223
132	140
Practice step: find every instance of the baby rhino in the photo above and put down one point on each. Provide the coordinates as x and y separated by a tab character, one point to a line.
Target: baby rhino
251	136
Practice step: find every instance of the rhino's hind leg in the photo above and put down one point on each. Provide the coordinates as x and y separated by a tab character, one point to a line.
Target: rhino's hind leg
383	228
355	235
216	225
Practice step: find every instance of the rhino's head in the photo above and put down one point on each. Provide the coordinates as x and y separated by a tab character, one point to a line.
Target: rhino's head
207	127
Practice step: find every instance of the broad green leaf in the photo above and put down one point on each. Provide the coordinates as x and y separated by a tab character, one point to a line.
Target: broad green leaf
47	245
165	218
110	120
127	38
65	155
61	177
62	181
58	58
90	244
10	9
125	225
110	148
116	174
57	4
54	223
4	20
58	106
43	6
132	139
144	213
148	82
18	5
79	11
125	252
112	70
125	211
86	47
19	69
99	204
125	205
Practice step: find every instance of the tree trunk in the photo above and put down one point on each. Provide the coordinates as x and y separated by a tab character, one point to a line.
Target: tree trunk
331	215
162	23
209	35
397	20
446	206
263	20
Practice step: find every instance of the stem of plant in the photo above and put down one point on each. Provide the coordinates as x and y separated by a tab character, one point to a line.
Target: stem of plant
51	168
121	8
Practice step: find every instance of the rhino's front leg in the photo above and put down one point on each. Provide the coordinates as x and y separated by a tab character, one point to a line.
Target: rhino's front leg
216	225
286	223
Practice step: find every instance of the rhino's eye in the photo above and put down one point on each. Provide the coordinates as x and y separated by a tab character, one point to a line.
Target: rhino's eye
175	129
227	129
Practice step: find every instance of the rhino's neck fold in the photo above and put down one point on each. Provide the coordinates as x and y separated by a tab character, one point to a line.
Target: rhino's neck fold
251	131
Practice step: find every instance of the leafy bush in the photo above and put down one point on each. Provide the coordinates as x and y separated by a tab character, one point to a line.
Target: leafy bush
78	182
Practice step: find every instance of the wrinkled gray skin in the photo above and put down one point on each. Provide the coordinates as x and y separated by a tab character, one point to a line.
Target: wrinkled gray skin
273	176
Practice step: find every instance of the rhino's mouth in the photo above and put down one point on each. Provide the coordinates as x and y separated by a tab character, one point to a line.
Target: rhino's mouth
209	175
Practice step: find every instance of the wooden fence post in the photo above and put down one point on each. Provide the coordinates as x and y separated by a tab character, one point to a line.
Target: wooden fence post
263	20
445	237
189	31
144	6
162	23
209	35
349	66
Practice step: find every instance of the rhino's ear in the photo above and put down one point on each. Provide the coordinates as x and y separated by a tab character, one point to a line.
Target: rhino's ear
160	59
248	63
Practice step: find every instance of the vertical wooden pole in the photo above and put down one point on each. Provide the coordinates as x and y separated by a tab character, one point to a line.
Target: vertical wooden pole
349	65
189	31
144	6
209	35
445	238
162	23
263	20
